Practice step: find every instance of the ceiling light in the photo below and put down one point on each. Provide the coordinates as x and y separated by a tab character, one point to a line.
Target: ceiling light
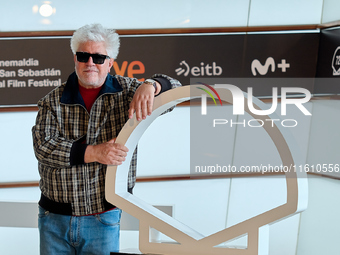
46	10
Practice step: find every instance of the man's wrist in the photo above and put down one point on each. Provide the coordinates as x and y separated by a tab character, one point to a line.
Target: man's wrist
154	84
89	154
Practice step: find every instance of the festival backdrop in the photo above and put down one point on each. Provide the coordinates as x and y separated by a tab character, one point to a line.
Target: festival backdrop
31	67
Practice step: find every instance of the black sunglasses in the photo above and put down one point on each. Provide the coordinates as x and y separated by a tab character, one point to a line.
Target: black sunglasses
96	58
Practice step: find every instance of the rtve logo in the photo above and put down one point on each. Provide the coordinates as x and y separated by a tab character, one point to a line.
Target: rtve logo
202	70
270	62
132	68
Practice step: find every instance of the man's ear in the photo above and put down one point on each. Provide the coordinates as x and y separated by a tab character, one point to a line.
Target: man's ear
111	60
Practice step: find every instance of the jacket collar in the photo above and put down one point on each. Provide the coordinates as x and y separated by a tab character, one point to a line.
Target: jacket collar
71	94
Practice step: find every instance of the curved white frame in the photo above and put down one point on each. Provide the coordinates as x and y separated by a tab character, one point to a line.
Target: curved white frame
189	240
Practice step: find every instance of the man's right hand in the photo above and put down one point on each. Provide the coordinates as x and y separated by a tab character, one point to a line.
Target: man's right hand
109	153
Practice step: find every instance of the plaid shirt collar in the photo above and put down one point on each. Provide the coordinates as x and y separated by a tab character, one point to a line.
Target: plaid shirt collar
71	94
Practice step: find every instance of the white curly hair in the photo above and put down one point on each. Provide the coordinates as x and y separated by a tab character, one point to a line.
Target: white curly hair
96	33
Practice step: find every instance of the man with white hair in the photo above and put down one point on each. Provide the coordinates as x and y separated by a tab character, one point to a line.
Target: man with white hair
74	141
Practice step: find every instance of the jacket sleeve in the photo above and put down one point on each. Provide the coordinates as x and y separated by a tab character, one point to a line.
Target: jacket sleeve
49	147
166	82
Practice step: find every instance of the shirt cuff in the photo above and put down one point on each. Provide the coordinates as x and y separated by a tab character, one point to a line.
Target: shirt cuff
77	153
165	84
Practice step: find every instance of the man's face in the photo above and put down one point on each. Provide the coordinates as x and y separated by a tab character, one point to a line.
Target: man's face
91	75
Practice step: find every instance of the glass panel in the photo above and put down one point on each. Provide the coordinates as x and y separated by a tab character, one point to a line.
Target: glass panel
18	162
20	195
287	12
330	11
19	241
70	15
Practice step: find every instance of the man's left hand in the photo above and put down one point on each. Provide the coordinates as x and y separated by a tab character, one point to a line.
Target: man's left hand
142	101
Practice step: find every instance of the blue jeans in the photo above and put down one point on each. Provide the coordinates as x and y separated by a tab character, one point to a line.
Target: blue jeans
85	235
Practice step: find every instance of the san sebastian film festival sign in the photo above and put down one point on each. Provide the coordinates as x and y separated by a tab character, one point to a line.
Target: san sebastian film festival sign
24	71
31	67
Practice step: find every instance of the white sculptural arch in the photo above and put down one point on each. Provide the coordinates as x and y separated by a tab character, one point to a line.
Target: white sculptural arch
188	240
